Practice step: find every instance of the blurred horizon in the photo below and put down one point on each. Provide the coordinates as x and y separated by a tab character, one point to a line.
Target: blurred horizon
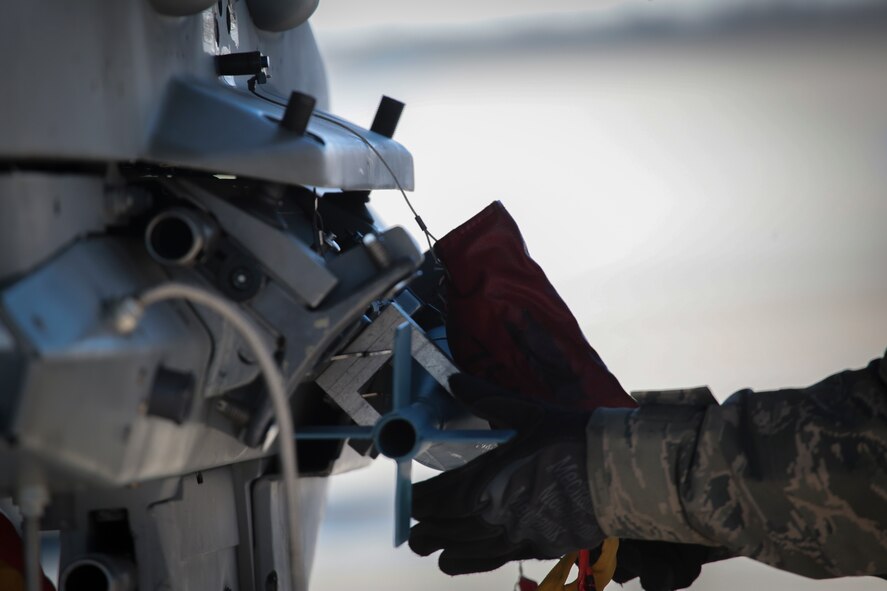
610	23
341	17
703	183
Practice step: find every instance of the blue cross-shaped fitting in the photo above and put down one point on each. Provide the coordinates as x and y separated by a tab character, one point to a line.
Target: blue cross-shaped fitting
406	431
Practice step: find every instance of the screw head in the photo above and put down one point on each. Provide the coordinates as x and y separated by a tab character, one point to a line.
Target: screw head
271	581
240	278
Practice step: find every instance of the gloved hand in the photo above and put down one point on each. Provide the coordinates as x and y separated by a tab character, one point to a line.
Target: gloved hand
663	566
528	498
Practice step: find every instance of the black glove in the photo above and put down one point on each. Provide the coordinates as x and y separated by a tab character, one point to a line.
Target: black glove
663	566
528	498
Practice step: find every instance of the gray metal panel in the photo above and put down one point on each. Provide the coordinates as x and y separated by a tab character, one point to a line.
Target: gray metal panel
198	532
93	75
105	82
95	71
221	129
281	254
295	60
231	365
272	544
82	404
72	520
342	378
61	305
40	213
159	448
353	166
79	364
245	474
188	535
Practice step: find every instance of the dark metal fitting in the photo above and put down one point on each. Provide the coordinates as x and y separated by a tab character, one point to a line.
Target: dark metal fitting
377	251
298	112
232	411
246	63
387	116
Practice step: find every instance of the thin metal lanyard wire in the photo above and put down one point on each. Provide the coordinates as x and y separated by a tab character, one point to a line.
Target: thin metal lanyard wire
429	237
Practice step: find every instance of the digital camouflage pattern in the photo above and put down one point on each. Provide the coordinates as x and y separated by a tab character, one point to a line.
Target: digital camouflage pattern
796	479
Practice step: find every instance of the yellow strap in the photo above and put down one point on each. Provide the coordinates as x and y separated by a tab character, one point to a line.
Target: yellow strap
556	579
605	566
602	570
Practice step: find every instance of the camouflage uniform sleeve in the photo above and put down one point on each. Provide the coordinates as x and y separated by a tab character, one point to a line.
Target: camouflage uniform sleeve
793	478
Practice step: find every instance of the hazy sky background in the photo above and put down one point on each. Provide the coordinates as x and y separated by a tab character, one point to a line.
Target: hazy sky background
703	182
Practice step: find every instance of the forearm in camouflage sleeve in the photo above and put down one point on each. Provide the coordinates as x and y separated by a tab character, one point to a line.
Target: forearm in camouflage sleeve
794	478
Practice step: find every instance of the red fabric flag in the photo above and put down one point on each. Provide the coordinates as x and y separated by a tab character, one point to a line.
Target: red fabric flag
506	323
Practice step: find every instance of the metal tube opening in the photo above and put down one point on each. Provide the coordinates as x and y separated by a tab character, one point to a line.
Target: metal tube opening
98	573
87	576
396	438
177	237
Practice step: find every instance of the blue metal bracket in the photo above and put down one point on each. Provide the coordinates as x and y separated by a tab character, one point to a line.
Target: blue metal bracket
406	431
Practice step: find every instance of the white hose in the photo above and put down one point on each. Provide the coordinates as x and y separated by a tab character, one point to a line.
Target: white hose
32	500
130	312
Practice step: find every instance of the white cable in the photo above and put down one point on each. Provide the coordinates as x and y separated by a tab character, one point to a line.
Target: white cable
32	501
129	313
